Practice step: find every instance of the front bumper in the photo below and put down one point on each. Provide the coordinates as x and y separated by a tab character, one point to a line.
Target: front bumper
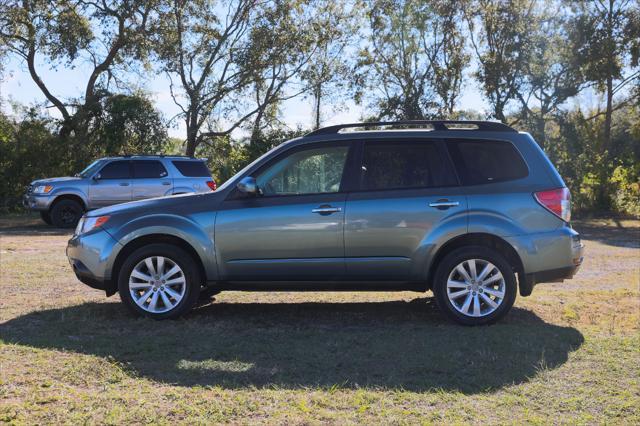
37	202
91	256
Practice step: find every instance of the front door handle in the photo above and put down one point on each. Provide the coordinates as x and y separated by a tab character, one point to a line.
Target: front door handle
166	183
325	210
444	204
124	183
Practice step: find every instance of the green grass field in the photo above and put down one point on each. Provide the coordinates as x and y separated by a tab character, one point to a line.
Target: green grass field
570	353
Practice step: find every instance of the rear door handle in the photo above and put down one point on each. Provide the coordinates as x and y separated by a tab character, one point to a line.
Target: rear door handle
124	184
325	210
166	183
444	204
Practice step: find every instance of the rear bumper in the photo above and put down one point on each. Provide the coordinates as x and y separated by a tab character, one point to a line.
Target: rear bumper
548	257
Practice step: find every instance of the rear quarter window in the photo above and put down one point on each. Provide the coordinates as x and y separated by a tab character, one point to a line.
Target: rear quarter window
192	168
481	161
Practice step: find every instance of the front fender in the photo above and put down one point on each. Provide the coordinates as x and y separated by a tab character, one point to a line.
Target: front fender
198	235
58	192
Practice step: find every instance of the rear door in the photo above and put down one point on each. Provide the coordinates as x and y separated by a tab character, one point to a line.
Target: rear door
407	188
111	185
150	179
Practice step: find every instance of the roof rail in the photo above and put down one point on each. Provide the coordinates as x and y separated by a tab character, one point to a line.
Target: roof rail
492	126
157	155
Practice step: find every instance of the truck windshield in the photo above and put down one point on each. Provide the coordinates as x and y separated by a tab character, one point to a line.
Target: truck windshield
90	169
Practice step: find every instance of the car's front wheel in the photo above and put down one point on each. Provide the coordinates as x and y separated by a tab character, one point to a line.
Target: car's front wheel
46	218
475	285
159	281
66	213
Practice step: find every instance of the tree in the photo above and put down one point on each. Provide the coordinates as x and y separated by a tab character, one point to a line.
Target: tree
129	124
413	60
103	33
501	36
552	73
607	33
284	44
328	73
229	61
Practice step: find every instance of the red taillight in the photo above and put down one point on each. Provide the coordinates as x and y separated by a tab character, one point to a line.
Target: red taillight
212	184
557	201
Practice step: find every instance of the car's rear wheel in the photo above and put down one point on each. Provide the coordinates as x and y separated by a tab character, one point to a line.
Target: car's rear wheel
475	285
66	213
159	281
46	218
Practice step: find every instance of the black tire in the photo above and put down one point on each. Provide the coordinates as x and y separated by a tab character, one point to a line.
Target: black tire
174	254
46	218
458	256
66	213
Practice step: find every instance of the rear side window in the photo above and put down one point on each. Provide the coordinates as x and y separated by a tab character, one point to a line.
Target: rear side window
148	169
480	162
116	170
192	168
403	165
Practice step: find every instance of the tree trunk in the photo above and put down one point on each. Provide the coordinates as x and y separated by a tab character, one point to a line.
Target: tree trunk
607	118
317	97
255	132
192	130
541	131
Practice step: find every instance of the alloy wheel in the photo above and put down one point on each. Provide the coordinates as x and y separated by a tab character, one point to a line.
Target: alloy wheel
476	288
157	284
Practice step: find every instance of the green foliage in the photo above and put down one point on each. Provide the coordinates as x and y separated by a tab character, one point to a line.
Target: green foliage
31	147
226	156
28	150
411	67
598	181
503	47
627	183
129	125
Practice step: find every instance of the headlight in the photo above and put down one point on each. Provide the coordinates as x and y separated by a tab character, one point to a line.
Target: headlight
86	224
42	189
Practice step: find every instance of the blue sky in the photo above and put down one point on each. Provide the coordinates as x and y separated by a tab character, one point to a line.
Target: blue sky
67	82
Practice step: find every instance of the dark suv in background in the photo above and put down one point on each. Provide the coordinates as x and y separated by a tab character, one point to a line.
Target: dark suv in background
62	201
473	211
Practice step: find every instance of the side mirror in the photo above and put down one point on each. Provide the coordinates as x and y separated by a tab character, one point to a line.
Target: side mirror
248	185
96	176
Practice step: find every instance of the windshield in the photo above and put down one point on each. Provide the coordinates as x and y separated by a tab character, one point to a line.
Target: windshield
90	169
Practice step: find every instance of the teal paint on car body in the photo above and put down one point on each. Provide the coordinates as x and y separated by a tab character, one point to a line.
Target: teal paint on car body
364	210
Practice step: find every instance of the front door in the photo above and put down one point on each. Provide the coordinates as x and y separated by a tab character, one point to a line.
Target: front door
150	179
407	189
294	230
111	185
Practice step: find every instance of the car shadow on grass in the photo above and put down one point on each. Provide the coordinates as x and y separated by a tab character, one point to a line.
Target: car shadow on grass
391	345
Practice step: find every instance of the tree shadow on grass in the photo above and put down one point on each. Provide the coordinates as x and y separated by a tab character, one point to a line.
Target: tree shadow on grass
389	345
617	236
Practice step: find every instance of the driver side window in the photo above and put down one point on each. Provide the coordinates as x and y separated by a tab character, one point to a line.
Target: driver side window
311	171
